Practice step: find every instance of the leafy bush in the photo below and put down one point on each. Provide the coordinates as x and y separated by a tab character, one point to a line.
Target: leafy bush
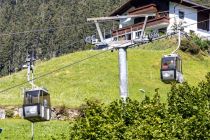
9	113
203	44
191	105
63	110
195	44
89	47
187	46
187	116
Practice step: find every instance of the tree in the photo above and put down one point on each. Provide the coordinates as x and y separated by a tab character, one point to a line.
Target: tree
63	23
187	116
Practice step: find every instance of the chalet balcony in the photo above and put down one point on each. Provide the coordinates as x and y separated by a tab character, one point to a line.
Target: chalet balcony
158	22
130	28
161	20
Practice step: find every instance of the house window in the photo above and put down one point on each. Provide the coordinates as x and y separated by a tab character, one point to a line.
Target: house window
203	20
181	15
138	34
128	36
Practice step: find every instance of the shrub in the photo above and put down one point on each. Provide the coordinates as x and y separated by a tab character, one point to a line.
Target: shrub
191	107
63	110
9	113
203	44
195	44
187	116
89	47
187	46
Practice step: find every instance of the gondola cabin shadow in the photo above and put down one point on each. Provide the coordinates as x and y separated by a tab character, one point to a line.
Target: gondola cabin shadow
171	69
36	105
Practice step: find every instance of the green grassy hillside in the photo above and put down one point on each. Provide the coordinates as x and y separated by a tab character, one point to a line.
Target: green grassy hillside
97	78
16	129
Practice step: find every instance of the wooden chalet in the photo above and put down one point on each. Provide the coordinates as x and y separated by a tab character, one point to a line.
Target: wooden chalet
168	13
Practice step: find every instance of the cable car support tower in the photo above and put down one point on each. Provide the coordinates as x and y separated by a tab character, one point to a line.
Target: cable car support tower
122	47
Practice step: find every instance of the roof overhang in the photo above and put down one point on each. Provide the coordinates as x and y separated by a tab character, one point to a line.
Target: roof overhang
150	8
191	3
122	9
128	5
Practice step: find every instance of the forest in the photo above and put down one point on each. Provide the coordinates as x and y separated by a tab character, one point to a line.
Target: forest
47	28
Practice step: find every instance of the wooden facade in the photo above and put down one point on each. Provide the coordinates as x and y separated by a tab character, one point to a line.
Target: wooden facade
151	8
164	20
161	8
162	5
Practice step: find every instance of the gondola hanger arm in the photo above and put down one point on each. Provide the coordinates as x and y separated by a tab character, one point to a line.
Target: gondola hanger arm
30	72
179	41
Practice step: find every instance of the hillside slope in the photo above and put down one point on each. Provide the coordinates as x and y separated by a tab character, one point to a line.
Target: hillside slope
97	78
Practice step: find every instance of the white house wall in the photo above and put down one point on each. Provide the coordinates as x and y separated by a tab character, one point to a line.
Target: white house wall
190	18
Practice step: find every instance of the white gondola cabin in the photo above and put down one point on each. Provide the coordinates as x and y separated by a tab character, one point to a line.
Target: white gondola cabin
171	68
36	105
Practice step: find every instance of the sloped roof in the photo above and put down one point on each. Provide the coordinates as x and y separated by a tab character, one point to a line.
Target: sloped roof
143	9
128	5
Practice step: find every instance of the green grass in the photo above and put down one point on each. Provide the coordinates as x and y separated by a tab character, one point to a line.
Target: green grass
97	78
16	129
